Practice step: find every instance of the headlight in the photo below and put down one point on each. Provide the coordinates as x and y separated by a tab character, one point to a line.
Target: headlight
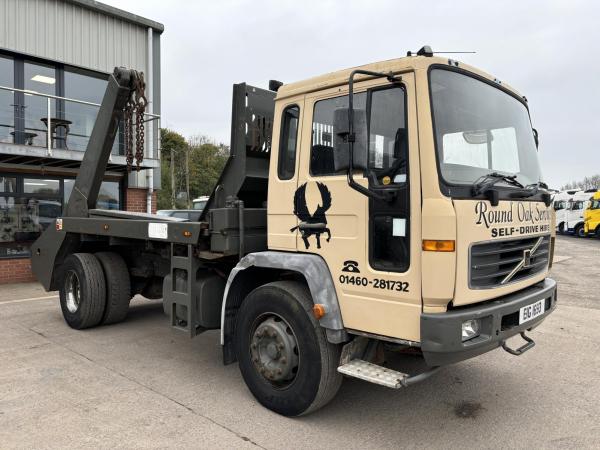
470	329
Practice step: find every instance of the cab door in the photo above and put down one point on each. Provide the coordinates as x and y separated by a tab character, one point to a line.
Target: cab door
371	246
283	174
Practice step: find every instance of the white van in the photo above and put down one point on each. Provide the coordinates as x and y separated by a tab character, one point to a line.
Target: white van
200	202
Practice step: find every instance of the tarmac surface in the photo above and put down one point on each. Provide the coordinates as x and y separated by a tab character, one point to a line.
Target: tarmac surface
140	384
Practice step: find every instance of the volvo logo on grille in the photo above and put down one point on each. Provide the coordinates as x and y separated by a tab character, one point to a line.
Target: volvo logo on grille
525	262
526	258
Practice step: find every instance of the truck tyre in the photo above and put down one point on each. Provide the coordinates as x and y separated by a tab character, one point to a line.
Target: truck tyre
580	231
283	353
118	287
561	228
82	291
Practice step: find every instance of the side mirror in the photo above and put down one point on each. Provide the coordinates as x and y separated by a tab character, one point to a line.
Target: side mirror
341	146
536	138
478	137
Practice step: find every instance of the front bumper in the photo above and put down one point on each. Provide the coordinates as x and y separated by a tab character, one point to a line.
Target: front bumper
441	340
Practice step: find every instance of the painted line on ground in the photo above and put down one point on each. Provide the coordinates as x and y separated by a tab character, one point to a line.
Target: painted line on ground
31	299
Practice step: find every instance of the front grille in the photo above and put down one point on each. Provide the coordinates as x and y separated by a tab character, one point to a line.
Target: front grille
491	262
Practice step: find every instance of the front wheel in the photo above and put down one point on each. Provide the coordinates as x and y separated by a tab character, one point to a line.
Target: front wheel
580	231
283	353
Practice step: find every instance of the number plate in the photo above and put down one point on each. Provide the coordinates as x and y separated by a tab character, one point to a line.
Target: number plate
158	230
529	312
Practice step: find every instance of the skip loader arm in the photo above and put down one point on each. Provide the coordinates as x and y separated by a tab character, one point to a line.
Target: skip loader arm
50	249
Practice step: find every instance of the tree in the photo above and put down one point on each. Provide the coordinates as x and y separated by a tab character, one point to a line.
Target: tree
591	182
207	161
189	168
172	147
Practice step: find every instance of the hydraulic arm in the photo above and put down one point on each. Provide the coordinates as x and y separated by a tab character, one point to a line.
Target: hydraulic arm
121	86
49	251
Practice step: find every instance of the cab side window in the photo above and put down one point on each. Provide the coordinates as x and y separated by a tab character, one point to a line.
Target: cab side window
323	140
286	166
388	138
389	226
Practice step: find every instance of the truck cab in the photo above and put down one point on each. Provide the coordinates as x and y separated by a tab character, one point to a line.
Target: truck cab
561	203
575	209
440	246
591	216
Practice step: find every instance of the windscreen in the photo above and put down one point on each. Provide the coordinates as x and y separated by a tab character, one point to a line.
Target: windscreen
480	129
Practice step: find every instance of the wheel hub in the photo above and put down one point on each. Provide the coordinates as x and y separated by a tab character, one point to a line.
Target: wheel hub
274	350
72	292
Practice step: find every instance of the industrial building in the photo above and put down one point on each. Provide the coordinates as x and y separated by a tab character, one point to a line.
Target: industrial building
55	59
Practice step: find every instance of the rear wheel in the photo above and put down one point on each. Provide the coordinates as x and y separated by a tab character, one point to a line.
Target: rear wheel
561	228
118	287
83	291
580	231
283	353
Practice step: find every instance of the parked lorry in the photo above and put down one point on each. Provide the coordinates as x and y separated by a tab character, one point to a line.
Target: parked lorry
575	209
562	203
591	216
398	203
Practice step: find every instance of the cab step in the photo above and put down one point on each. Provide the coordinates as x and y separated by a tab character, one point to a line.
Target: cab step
364	370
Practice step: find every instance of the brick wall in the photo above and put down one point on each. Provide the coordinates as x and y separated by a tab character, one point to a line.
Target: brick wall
135	200
15	270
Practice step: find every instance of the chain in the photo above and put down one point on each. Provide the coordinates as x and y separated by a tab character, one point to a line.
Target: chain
128	119
136	104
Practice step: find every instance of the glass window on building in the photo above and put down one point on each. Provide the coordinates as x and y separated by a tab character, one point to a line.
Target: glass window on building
109	196
39	78
87	88
39	186
8	184
7	100
27	207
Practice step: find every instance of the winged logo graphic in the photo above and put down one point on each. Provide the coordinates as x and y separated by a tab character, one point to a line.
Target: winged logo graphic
312	224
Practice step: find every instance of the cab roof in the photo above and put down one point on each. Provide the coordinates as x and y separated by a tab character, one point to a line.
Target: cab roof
406	64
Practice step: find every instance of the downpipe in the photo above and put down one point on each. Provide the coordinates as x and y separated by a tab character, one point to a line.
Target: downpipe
150	181
150	97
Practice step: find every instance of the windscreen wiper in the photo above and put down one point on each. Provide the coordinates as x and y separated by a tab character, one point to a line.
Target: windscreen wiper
485	182
535	187
538	188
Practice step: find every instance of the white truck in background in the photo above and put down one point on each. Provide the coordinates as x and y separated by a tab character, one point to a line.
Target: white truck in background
575	209
561	204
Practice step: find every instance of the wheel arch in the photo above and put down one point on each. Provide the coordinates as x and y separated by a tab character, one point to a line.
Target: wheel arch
579	225
256	269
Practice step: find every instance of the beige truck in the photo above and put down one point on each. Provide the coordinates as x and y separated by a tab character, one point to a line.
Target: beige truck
398	205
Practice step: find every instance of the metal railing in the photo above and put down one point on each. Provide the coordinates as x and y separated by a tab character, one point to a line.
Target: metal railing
54	135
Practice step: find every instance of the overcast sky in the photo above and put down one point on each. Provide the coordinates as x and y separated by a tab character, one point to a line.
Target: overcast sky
548	50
